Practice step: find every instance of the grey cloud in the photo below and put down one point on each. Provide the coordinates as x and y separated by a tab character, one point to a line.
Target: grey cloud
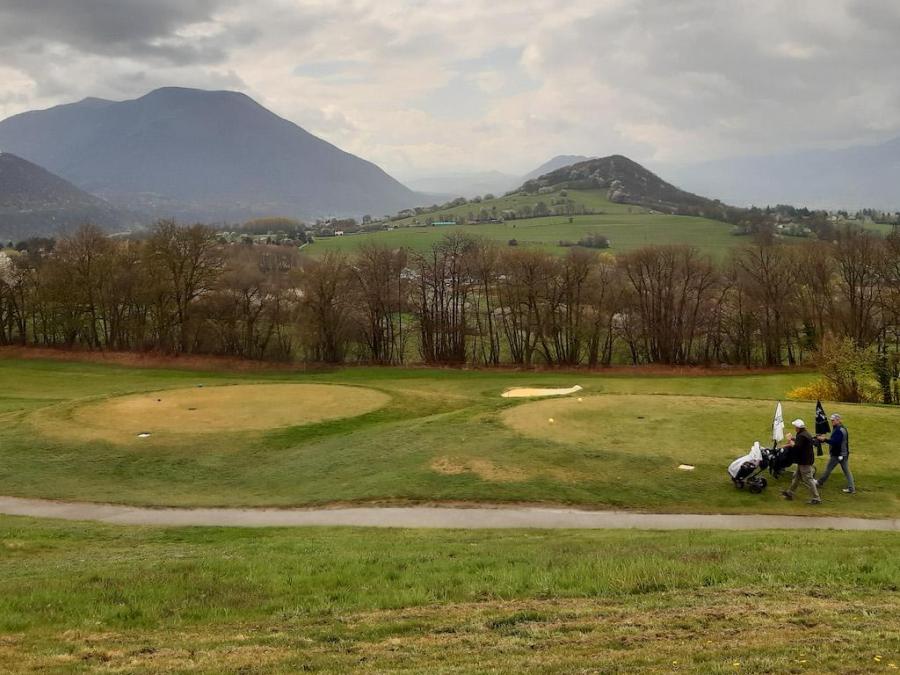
132	28
465	81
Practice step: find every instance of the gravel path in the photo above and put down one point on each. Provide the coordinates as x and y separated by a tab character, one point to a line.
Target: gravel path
476	517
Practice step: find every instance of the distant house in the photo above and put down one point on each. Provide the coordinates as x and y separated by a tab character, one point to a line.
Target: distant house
443	222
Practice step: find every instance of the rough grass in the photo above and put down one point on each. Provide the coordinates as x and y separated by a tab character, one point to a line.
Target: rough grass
442	437
77	597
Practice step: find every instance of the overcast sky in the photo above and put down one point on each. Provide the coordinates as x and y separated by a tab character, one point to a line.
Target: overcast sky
434	86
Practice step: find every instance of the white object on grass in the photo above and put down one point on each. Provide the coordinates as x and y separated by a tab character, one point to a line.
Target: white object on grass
144	434
686	467
755	456
527	392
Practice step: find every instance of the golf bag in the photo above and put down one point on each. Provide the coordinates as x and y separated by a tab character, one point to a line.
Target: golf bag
745	471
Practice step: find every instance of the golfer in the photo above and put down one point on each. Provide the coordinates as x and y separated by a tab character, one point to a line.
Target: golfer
839	445
802	443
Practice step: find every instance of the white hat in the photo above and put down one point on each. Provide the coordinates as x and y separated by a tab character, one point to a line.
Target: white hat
835	416
800	424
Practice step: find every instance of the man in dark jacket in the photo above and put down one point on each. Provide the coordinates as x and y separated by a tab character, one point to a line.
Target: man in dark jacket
839	445
805	458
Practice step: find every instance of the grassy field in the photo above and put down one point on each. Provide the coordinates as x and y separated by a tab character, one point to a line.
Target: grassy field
628	227
440	435
625	232
87	598
595	200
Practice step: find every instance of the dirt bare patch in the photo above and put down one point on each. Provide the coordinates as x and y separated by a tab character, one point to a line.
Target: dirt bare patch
483	468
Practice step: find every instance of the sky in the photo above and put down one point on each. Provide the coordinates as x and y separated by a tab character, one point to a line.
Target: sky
432	86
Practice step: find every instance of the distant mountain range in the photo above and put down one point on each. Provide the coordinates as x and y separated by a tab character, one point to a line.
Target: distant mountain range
855	177
35	202
557	162
478	183
200	155
464	184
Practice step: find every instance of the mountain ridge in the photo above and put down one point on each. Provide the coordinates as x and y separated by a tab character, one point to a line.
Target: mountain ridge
196	154
36	202
859	176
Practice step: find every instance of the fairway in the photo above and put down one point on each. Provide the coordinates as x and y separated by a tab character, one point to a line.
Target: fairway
203	410
407	436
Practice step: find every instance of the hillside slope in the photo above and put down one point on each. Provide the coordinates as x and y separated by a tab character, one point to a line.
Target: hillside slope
200	155
627	182
35	202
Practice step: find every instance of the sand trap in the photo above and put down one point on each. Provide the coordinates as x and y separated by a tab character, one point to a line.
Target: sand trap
531	392
199	410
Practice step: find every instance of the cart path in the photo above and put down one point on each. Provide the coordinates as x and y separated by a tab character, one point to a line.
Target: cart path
463	517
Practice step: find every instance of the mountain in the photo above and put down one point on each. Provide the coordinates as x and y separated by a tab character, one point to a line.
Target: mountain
200	155
478	183
626	182
463	184
35	202
557	162
855	177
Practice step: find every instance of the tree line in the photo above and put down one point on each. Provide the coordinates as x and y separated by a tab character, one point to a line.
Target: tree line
464	301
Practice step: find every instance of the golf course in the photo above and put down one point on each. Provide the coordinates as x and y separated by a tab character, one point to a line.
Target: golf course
281	438
79	596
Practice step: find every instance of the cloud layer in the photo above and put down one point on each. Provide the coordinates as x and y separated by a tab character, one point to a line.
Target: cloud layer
441	85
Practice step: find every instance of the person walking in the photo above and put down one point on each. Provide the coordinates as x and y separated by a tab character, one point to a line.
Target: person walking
839	454
804	456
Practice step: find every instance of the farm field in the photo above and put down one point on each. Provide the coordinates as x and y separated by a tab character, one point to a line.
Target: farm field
627	226
625	232
90	432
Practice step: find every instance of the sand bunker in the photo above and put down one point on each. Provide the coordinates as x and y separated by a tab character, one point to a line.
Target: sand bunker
531	392
199	410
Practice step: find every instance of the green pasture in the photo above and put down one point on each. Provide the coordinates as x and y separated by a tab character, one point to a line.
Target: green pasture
627	226
595	200
625	232
91	598
443	435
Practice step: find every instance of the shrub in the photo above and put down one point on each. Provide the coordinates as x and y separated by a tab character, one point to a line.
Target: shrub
848	369
824	390
594	241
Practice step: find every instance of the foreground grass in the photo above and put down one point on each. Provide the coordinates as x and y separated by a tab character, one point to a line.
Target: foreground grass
446	435
79	597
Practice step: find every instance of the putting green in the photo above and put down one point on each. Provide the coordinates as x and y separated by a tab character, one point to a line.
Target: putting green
198	410
702	430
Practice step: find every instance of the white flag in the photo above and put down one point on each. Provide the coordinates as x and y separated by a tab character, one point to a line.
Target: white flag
778	424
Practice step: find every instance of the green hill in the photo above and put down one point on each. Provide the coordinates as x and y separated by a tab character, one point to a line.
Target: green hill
626	226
